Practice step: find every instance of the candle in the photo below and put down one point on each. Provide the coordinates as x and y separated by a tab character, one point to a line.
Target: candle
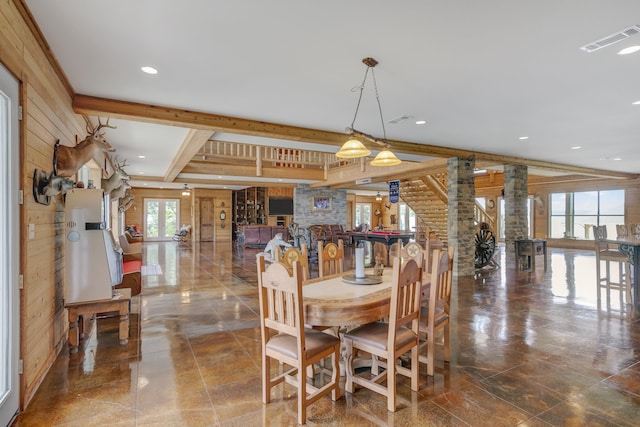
359	263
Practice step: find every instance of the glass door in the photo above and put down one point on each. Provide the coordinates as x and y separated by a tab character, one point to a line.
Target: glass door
9	248
161	218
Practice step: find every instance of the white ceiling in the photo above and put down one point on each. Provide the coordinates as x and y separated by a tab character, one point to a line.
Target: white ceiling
482	74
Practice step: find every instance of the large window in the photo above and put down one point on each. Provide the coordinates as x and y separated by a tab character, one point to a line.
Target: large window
501	216
363	214
574	214
406	218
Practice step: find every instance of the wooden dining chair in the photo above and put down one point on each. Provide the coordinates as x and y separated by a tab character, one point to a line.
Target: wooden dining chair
634	230
622	230
330	258
435	313
389	340
290	255
608	255
285	339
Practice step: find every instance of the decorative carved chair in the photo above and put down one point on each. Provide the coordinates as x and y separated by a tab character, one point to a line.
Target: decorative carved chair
330	258
390	340
609	255
285	339
435	313
291	254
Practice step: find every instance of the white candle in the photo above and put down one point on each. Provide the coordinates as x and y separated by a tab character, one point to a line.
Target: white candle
359	263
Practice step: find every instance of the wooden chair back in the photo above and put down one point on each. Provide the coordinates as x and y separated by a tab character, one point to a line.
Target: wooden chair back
281	307
290	255
330	258
622	230
405	298
634	230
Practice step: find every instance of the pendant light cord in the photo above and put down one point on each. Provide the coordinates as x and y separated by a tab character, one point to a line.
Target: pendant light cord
375	87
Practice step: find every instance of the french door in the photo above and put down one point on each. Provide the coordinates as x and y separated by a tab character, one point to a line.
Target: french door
9	247
161	218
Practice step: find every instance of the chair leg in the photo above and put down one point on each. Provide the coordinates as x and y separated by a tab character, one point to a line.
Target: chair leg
335	376
348	365
391	385
302	396
415	368
266	379
447	344
431	352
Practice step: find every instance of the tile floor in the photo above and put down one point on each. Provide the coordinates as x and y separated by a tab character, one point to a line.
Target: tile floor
529	349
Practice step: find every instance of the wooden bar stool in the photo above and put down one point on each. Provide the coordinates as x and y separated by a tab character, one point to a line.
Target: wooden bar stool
610	255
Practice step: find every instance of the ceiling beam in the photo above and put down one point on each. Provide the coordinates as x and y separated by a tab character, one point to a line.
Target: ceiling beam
347	175
84	104
204	181
192	143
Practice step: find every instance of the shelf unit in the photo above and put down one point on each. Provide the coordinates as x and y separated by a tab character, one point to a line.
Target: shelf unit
250	206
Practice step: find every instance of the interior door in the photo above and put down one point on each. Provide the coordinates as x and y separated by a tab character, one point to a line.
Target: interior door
206	220
9	247
161	218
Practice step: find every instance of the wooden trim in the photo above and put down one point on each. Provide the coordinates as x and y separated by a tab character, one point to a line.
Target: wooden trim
205	121
30	22
192	143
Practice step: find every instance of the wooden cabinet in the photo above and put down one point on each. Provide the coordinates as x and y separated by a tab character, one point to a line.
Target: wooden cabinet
250	206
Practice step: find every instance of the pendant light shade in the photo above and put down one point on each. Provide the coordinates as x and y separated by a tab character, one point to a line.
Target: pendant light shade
353	149
385	158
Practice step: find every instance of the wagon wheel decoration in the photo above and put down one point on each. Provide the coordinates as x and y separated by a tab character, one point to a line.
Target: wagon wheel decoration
485	246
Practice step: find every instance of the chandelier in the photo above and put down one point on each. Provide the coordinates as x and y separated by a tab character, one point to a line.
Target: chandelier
186	191
378	197
354	147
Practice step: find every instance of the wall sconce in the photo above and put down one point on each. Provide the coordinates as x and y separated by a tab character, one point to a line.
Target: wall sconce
223	216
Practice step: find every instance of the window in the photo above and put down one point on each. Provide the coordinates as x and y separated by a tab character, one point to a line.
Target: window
363	214
501	215
406	218
574	214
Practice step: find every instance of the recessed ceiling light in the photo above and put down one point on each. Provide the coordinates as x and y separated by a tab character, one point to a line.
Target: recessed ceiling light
523	137
141	173
142	157
149	70
635	103
576	147
628	50
421	122
219	177
613	158
145	184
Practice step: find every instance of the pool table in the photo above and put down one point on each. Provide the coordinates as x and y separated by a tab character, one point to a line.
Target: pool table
386	237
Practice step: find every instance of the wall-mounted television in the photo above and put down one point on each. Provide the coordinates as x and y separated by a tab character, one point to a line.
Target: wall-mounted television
280	206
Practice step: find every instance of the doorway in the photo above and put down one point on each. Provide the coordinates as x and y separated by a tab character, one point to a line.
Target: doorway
206	220
9	247
161	218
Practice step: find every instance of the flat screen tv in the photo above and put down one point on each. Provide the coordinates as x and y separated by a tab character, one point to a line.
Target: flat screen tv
280	206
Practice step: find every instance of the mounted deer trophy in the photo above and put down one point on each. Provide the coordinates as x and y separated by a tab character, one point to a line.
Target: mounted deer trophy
117	178
119	192
126	202
67	160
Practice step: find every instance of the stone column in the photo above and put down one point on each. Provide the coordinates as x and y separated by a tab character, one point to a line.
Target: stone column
460	224
515	209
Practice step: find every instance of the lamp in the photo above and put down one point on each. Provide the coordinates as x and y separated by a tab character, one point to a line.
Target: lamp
354	148
186	191
378	197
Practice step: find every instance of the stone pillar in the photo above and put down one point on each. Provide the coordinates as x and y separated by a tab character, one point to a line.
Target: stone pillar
460	224
515	209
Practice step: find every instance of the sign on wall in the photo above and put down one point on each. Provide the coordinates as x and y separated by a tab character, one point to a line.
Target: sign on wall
394	191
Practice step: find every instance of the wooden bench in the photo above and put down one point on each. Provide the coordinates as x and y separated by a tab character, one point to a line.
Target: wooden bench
120	303
132	277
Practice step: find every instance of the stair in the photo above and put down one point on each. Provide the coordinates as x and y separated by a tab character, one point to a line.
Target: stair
427	196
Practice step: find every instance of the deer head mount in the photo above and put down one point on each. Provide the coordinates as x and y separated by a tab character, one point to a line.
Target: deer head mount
67	160
117	179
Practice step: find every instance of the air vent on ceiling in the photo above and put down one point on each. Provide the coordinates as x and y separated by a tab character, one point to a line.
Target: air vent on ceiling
613	38
399	119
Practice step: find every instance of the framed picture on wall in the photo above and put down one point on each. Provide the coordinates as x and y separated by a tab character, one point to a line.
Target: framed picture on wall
321	203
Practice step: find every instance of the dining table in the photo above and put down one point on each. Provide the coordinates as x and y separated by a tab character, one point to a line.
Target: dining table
630	246
332	301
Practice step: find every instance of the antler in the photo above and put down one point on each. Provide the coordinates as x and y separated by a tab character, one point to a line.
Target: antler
91	129
123	164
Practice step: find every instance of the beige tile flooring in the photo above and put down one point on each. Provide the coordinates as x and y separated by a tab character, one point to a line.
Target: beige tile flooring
528	349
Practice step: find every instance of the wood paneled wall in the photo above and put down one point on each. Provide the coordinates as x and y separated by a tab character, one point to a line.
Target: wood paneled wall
47	117
189	208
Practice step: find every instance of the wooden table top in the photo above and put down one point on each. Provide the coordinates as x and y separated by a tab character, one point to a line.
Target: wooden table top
329	301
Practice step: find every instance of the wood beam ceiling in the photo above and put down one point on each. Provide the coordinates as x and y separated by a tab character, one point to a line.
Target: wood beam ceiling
194	140
84	104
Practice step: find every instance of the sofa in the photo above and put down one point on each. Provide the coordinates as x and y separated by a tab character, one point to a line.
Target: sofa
259	235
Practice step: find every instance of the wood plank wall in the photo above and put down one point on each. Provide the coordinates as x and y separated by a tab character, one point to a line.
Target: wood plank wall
188	205
47	116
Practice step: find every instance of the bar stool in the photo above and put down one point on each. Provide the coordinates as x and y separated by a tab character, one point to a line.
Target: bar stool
608	255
